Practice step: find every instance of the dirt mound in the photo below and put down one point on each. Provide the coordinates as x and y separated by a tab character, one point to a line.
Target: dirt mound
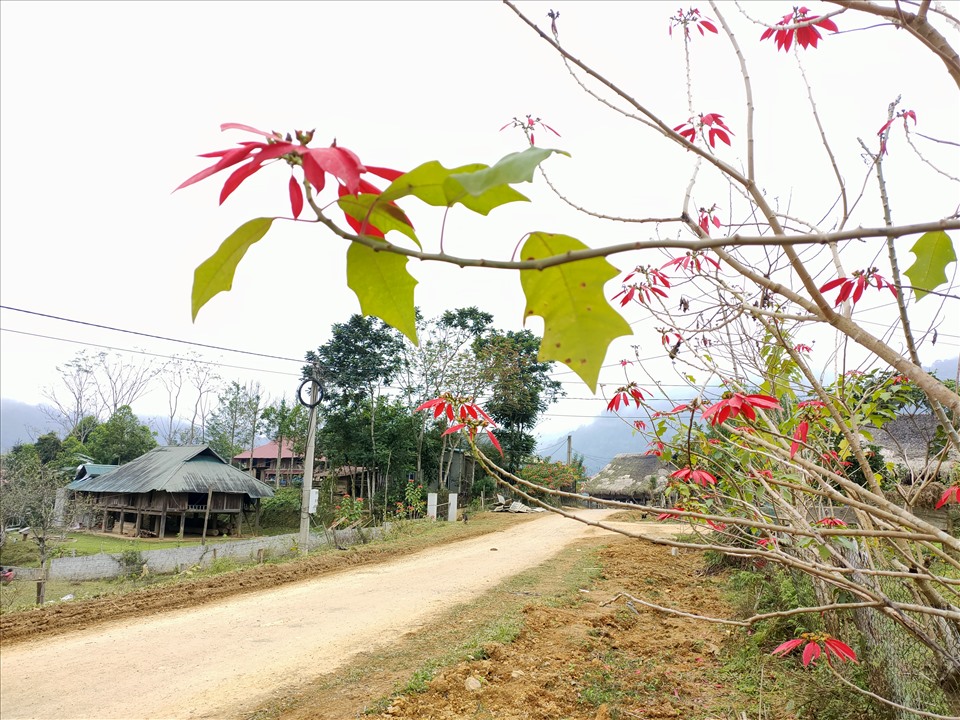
591	660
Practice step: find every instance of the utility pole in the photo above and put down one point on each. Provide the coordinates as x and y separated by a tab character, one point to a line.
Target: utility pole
569	449
316	396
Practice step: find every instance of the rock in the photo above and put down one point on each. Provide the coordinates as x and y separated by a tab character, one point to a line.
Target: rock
472	684
517	674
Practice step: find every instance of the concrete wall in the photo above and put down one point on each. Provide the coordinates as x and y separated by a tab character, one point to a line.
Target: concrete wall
169	560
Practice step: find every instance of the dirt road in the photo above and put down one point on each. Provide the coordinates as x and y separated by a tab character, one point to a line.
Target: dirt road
219	660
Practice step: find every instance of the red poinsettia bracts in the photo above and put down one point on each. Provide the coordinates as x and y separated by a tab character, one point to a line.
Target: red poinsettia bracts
803	348
807	36
466	414
531	122
691	18
696	476
342	164
852	288
656	449
830	522
624	395
882	132
691	261
734	404
713	123
643	291
951	493
812	651
708	217
799	436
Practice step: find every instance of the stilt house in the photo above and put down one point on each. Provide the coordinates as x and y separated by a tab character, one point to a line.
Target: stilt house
189	487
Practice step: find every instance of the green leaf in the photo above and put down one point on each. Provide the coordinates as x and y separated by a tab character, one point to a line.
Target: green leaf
477	187
579	323
510	169
382	215
431	182
934	251
215	274
383	286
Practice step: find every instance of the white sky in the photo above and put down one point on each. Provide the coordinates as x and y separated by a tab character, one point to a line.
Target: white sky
105	105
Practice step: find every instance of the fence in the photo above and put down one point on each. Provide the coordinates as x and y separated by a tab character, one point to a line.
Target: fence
169	560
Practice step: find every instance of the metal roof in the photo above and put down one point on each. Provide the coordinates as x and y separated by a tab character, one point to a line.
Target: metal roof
176	469
269	452
92	470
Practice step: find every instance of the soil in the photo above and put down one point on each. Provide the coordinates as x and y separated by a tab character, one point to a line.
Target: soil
261	643
596	660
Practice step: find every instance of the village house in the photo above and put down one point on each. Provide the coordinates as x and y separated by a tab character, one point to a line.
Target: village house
273	464
179	489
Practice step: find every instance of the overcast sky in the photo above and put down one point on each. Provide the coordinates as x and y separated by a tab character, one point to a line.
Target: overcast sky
105	106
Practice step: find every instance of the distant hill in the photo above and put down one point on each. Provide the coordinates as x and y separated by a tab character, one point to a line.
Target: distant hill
598	441
605	436
21	423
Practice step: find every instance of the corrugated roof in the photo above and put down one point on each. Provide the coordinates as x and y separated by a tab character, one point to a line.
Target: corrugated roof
627	475
92	470
268	452
191	468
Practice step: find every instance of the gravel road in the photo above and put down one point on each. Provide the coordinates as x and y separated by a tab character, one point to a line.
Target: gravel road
220	660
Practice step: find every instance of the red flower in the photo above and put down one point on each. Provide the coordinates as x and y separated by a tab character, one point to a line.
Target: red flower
707	217
624	395
528	125
951	493
717	129
811	403
642	292
665	338
316	163
803	348
639	425
718	526
699	477
656	449
734	404
691	261
830	522
811	650
465	413
799	436
806	36
689	19
882	132
852	288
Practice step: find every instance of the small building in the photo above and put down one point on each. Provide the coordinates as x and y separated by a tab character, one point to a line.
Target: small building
173	485
273	464
631	477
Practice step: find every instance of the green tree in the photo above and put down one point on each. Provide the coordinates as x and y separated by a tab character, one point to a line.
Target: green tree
32	495
232	424
362	356
443	361
48	446
121	438
519	389
283	422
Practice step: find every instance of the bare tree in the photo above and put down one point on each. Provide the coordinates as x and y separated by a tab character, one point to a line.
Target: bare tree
76	397
120	381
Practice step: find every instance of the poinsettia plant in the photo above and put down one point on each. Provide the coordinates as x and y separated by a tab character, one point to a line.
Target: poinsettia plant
776	386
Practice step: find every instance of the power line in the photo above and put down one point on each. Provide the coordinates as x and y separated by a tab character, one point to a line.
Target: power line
148	335
143	352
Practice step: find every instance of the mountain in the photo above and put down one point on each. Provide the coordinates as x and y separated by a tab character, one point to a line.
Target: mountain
21	422
598	441
605	436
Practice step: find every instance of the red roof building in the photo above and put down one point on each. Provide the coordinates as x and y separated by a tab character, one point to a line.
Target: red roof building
263	461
